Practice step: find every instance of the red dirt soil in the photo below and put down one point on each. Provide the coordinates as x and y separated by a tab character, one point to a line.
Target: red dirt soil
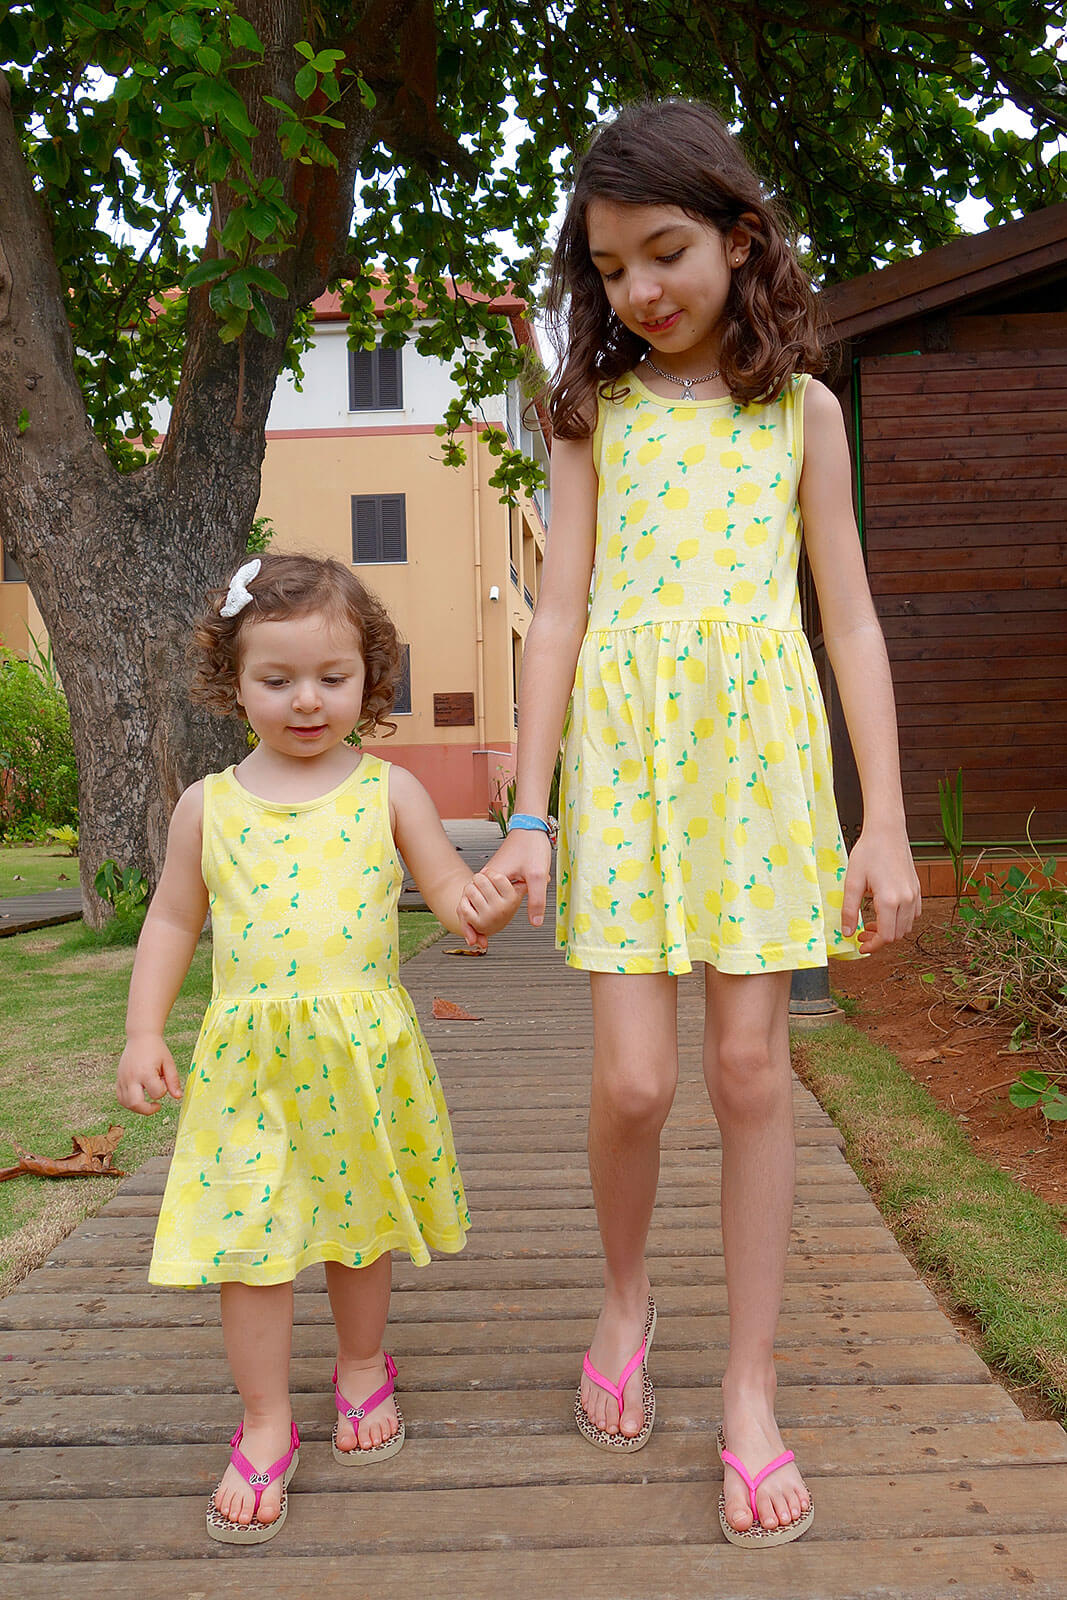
960	1055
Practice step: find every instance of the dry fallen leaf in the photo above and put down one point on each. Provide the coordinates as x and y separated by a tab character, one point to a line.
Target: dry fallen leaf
448	1011
90	1157
465	950
927	1055
979	1002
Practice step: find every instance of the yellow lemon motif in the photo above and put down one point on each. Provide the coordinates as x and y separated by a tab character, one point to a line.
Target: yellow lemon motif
629	871
613	550
772	953
648	452
755	534
616	936
624	484
630	607
746	494
644	547
760	692
698	827
621	579
630	771
729	750
582	922
641	810
761	795
718	805
810	874
731	460
615	452
712	902
762	895
724	557
721	427
742	592
784	490
613	837
602	897
730	891
643	910
772	589
835	898
670	711
704	727
774	752
716	521
777	855
636	512
740	833
761	439
800	930
688	549
671	594
730	933
687	873
800	832
666	667
598	699
695	453
691	772
826	859
676	499
603	797
609	672
584	822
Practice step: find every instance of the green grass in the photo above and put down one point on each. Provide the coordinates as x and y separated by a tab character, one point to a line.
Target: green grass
62	1016
33	868
999	1251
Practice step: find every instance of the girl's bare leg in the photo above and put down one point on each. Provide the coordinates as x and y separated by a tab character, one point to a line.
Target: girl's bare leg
257	1328
359	1299
747	1068
635	1074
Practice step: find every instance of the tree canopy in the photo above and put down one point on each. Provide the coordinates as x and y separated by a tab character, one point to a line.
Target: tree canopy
427	142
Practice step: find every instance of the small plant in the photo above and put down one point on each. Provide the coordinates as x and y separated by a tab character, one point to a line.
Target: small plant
502	804
124	888
67	837
950	797
260	535
1033	1088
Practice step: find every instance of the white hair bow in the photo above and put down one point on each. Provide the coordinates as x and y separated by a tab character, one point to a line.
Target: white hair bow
238	596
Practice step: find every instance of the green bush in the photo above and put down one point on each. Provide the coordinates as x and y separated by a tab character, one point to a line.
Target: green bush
38	776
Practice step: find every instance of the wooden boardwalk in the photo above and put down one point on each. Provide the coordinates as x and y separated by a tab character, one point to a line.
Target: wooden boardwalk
928	1481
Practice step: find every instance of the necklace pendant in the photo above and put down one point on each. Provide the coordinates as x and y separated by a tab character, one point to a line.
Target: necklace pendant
687	391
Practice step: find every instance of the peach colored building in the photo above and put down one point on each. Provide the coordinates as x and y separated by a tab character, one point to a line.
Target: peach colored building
353	470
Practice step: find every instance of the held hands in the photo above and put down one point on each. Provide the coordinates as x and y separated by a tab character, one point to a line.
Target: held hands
525	858
881	863
146	1073
486	905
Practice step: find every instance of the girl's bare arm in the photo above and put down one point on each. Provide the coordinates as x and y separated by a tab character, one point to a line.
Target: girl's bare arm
549	660
164	952
881	860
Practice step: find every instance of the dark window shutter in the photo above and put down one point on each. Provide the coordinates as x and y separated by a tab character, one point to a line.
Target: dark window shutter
390	396
361	380
375	380
12	572
379	528
394	541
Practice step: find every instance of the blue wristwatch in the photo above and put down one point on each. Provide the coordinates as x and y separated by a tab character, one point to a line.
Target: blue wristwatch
527	824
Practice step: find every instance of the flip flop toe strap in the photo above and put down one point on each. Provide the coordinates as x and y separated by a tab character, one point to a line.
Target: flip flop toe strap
616	1390
259	1481
753	1483
355	1414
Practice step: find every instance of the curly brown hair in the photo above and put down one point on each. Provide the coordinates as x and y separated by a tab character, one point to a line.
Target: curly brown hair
298	586
677	153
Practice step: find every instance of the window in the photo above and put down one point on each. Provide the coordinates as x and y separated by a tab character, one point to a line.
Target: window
375	380
379	528
12	572
402	695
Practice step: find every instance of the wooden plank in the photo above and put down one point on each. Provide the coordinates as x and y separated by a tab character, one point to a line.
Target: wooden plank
499	1332
93	1472
51	1420
1043	449
588	1516
934	406
967	1567
115	1299
947	424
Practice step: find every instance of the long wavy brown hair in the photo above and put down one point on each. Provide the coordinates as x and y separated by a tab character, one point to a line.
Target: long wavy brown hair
298	586
676	153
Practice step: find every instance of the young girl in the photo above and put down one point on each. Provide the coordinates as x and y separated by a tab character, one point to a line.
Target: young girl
313	1127
691	445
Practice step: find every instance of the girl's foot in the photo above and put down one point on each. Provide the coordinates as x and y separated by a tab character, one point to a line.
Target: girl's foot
752	1435
262	1443
619	1333
357	1381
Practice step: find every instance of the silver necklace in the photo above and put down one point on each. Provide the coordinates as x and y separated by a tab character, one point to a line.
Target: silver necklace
686	383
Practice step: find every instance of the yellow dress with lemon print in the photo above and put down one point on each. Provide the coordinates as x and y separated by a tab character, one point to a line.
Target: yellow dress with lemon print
698	818
313	1126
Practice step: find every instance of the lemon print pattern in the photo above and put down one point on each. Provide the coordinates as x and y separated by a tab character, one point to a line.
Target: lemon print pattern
313	1126
697	809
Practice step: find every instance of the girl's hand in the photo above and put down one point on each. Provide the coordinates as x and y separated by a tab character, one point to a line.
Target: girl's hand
525	858
881	863
486	905
146	1073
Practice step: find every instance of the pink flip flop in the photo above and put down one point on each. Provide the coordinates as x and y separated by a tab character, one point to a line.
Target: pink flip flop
361	1454
758	1535
621	1443
254	1532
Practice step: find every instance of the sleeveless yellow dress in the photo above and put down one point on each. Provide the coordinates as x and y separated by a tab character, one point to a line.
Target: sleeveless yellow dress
698	818
313	1126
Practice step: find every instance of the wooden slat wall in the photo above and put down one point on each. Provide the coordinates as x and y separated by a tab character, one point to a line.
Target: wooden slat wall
964	457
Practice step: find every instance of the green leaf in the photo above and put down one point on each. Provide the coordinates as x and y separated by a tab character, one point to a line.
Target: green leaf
185	31
306	82
244	36
208	271
23	421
